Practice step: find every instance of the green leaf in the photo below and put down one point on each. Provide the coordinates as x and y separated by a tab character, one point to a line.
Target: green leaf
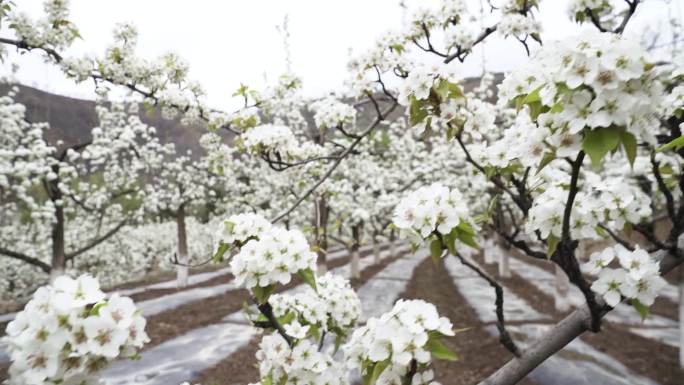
599	142
450	241
436	250
338	343
489	171
468	239
378	369
536	108
315	332
546	159
629	144
533	96
222	249
447	90
439	350
552	241
417	112
287	318
262	293
95	311
675	144
466	228
641	308
309	277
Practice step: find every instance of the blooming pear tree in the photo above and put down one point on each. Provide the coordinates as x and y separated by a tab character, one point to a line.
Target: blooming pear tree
583	143
49	187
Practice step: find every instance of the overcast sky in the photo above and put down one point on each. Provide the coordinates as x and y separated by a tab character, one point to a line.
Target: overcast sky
229	42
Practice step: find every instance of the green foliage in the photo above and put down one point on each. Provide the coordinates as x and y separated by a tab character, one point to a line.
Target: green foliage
95	311
675	144
436	249
629	144
640	308
263	293
438	349
308	276
552	242
546	159
417	110
373	370
599	142
222	249
487	215
447	90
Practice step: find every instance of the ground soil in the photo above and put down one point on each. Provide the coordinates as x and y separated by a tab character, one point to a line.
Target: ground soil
154	293
480	352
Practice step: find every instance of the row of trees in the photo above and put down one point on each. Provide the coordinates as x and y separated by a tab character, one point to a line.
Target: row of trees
582	144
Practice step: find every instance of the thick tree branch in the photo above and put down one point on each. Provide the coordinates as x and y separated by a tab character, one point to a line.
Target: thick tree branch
23	257
96	241
576	166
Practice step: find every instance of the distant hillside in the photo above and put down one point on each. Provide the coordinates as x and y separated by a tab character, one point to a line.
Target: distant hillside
71	120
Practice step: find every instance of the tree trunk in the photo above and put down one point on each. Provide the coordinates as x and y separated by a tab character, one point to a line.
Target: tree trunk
561	300
321	233
182	268
504	265
376	250
355	257
392	244
488	251
58	262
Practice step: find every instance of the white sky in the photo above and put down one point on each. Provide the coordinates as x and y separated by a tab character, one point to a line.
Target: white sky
231	41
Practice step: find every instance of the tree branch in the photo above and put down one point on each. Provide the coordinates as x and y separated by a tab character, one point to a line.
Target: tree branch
504	337
95	242
23	257
332	168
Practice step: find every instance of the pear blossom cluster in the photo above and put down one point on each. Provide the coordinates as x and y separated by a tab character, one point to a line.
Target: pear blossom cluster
53	30
240	228
590	81
69	331
431	208
604	10
301	364
334	305
637	277
523	142
272	258
268	137
422	78
330	113
397	338
278	140
518	25
601	200
546	214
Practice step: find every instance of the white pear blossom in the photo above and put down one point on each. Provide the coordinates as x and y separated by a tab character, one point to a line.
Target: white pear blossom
68	329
